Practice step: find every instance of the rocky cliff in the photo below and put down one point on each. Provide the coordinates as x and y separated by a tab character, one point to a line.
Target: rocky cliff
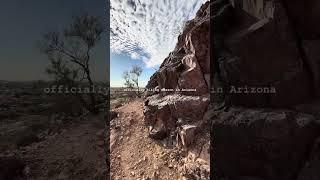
178	96
183	80
271	132
263	77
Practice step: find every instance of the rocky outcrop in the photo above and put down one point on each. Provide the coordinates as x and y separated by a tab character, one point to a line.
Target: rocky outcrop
190	60
266	57
182	81
263	49
177	97
264	65
168	112
269	144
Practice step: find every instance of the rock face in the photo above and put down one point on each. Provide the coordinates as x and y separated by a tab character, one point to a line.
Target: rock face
174	111
187	68
262	143
163	113
272	45
188	65
264	47
265	63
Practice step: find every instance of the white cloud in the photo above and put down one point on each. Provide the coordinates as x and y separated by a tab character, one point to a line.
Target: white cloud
135	55
148	29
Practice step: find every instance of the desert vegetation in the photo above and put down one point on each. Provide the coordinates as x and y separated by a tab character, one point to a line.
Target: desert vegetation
69	53
42	120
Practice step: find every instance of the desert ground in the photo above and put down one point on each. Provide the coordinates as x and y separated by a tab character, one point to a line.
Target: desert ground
38	141
134	155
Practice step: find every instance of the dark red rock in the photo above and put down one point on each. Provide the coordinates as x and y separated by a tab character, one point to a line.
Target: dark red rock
185	72
163	112
187	65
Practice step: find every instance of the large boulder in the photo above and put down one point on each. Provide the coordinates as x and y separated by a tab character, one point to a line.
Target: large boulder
163	112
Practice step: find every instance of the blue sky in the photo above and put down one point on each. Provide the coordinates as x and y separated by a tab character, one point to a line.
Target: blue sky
122	62
24	22
144	32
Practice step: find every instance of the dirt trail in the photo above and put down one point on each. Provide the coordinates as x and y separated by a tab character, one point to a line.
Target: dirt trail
134	155
75	153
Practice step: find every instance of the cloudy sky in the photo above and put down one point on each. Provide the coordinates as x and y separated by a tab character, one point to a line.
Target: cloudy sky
144	32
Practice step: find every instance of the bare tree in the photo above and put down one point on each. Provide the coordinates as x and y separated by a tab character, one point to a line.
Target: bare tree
131	78
70	54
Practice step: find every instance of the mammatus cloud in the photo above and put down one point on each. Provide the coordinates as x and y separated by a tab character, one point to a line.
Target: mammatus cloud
147	29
